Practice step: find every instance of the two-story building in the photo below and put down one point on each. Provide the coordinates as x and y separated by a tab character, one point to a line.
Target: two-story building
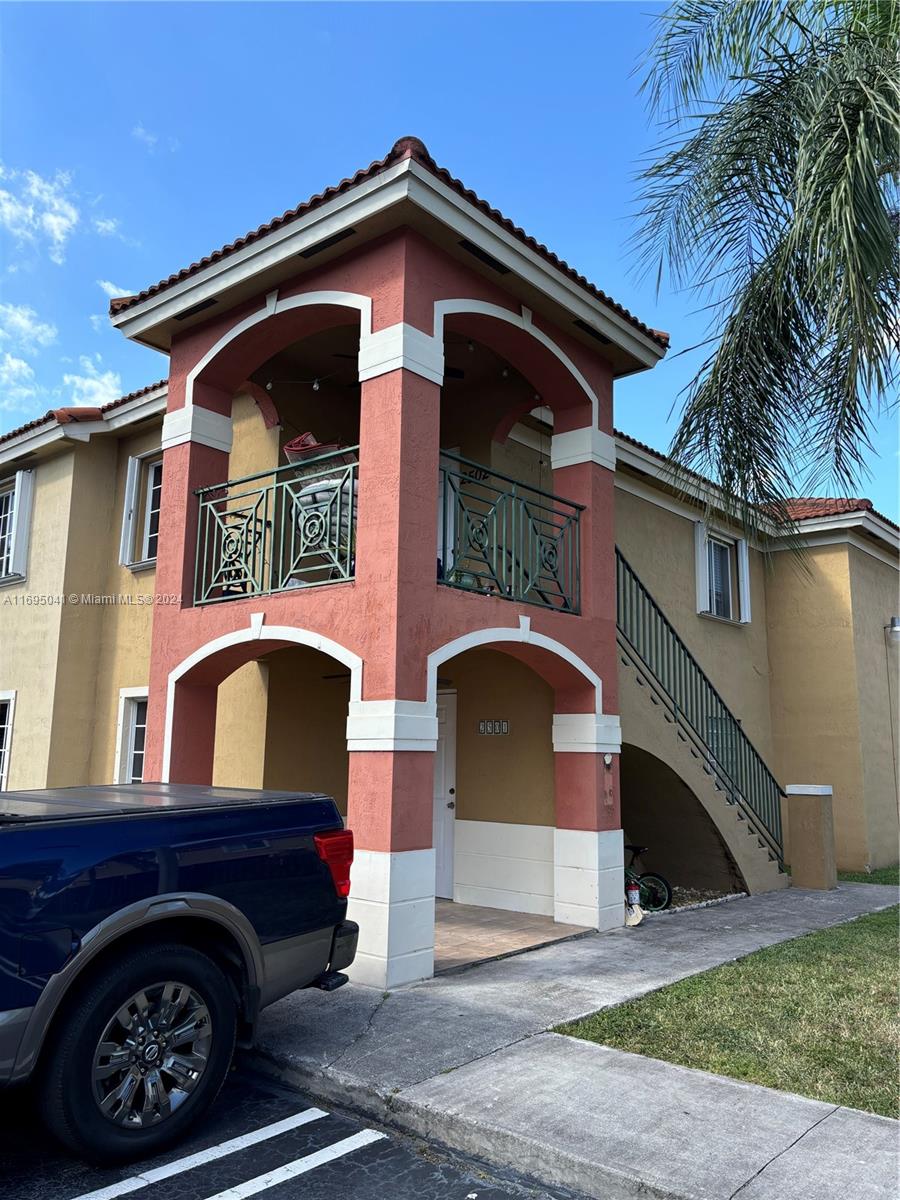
422	609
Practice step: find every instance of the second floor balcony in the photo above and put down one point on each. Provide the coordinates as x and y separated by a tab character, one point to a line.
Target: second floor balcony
295	527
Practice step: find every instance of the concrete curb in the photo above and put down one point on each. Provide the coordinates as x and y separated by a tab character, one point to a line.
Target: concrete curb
534	1161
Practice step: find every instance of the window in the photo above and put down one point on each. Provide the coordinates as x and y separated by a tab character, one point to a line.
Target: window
132	735
15	523
723	575
140	523
721	569
7	705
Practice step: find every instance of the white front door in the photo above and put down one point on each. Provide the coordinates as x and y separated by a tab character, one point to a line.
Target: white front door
445	794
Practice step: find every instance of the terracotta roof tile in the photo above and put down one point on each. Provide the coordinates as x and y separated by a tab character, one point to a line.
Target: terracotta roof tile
799	508
407	147
63	416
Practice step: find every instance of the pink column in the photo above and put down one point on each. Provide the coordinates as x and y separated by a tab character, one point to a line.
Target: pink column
187	465
390	786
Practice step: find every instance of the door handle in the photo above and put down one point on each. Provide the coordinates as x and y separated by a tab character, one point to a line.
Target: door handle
451	804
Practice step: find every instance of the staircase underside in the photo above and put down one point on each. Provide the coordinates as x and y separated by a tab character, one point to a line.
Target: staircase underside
648	725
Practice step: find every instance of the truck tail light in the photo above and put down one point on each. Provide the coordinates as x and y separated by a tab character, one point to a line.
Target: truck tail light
335	848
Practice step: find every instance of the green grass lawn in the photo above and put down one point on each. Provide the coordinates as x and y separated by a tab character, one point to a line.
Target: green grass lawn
817	1015
881	875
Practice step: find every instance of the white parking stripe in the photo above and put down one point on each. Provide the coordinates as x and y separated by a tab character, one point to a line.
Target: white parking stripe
299	1166
136	1182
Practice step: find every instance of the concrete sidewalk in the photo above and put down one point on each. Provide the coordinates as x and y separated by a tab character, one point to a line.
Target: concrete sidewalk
460	1058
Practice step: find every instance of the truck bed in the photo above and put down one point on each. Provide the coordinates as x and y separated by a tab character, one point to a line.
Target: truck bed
106	800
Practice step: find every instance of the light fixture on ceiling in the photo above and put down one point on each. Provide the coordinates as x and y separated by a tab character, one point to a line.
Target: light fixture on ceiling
471	347
505	372
315	385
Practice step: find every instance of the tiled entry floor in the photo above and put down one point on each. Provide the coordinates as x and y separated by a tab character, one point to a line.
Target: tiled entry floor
466	933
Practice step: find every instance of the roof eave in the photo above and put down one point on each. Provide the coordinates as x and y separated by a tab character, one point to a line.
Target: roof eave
403	181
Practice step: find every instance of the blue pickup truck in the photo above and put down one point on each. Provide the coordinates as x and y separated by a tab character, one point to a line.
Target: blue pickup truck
142	929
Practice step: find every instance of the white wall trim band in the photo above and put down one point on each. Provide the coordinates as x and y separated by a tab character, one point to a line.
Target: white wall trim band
392	899
808	789
397	346
508	866
586	733
583	445
200	425
392	725
588	887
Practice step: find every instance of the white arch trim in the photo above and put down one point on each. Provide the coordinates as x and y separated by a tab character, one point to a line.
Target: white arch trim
522	634
272	307
522	321
256	632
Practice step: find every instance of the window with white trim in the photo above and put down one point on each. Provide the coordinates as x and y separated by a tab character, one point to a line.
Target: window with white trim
7	706
723	575
133	737
140	521
15	525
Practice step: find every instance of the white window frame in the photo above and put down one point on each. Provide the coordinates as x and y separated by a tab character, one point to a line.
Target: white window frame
129	698
7	697
133	479
702	538
21	486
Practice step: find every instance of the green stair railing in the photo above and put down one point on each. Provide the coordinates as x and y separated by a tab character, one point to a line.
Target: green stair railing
650	642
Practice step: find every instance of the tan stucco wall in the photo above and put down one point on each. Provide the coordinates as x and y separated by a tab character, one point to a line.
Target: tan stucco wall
306	730
659	545
241	714
815	691
507	778
124	650
29	632
874	596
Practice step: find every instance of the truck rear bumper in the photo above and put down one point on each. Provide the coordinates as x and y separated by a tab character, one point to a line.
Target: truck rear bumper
343	949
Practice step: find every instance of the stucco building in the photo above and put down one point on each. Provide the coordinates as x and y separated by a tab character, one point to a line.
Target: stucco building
427	615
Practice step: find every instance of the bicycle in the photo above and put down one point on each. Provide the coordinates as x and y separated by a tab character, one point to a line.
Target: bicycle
655	891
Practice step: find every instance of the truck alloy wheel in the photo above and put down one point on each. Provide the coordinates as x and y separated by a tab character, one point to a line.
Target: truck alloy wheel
152	1054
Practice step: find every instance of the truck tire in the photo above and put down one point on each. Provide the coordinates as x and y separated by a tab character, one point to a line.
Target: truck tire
140	1055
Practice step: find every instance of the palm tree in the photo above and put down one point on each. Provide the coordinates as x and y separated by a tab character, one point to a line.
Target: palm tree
774	196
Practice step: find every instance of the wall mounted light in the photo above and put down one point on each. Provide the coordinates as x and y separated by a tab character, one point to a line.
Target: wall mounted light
893	630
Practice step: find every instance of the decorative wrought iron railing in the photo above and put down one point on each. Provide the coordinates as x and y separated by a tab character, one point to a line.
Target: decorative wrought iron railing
497	535
294	527
679	682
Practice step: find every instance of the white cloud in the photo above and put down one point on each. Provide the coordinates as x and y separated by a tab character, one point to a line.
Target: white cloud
39	211
98	321
16	382
106	226
94	387
152	141
22	330
113	290
144	136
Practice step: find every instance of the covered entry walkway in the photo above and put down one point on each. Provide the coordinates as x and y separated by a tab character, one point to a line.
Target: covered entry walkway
468	933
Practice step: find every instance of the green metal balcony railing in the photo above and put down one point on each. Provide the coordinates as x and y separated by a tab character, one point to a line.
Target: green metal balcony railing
294	527
654	648
497	535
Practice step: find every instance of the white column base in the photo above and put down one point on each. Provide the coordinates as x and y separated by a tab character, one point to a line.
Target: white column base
392	900
588	878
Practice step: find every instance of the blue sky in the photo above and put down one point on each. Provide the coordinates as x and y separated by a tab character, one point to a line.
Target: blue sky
135	138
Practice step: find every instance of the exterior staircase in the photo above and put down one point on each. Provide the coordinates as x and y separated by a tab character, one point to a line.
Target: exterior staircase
669	706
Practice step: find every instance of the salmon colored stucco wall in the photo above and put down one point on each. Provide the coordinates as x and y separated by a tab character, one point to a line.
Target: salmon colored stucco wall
30	629
394	613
